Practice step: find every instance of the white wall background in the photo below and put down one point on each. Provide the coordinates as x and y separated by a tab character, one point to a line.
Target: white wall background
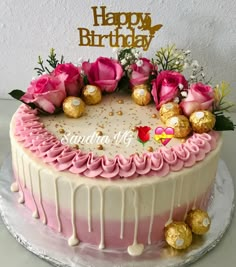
29	28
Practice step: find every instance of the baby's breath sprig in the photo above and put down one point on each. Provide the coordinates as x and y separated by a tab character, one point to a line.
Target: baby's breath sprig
52	61
128	56
171	58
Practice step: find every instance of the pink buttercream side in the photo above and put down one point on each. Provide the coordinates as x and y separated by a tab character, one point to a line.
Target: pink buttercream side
111	227
31	133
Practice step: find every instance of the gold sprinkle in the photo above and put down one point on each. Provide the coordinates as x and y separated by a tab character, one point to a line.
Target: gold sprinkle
183	140
133	129
120	101
154	115
120	113
62	131
99	133
100	147
150	149
111	113
76	146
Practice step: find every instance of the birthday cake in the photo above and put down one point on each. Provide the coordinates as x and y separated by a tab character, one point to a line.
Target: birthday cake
119	153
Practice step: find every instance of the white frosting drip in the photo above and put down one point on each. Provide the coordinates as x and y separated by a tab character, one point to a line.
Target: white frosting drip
89	210
180	191
15	187
73	240
21	199
40	197
122	213
57	204
196	190
35	213
135	249
101	245
172	202
23	169
152	214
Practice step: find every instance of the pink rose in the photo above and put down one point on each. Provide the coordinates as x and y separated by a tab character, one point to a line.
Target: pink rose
166	86
140	74
73	80
200	97
46	92
104	73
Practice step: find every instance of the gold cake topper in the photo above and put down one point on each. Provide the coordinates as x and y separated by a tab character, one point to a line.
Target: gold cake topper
134	22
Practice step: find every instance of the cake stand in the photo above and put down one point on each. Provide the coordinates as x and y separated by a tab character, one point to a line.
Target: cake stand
52	247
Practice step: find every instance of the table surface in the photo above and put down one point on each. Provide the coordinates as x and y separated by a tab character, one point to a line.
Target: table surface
12	254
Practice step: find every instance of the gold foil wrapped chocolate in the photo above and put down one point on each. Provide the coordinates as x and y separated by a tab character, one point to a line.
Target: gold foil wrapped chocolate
202	121
73	107
180	124
141	95
91	94
199	221
169	110
178	235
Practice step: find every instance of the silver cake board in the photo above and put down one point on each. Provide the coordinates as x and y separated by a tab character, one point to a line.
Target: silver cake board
52	246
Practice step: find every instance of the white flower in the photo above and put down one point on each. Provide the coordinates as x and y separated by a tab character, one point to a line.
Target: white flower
181	86
123	61
133	50
184	94
137	54
192	77
139	63
203	74
187	52
195	64
176	100
186	65
176	62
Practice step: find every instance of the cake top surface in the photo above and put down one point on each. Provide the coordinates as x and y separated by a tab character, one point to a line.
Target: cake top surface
109	128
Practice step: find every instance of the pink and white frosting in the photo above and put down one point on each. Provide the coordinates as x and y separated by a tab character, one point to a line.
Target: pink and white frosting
30	131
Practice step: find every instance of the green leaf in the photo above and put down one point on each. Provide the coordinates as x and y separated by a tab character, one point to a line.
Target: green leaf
223	123
123	85
17	94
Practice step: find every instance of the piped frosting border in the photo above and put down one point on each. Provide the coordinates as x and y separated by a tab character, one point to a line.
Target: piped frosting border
32	134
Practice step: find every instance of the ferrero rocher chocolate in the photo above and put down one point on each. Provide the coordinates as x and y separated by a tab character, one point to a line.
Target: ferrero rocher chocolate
73	107
91	94
199	221
141	95
202	121
178	235
169	110
180	124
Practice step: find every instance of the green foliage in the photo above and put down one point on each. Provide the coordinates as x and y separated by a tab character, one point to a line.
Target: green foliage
170	58
52	62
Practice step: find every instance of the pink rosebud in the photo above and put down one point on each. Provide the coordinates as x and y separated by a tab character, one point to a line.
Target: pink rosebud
104	73
166	87
200	97
140	74
70	74
47	92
